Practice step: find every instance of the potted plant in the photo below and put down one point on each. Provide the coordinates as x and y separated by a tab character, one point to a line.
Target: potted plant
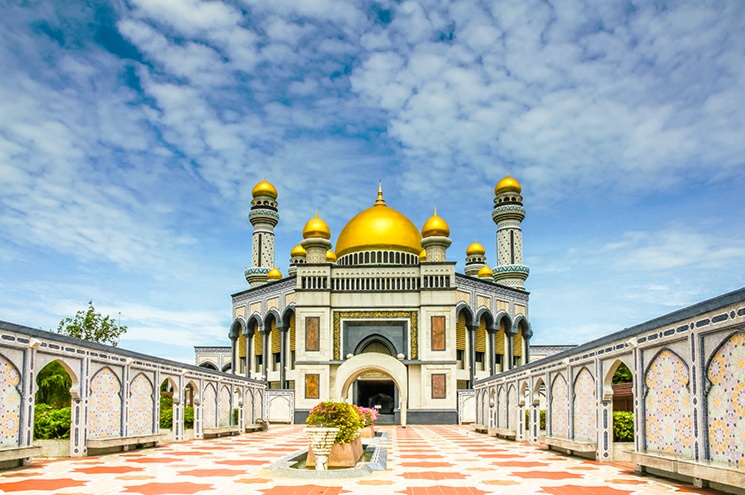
369	415
347	448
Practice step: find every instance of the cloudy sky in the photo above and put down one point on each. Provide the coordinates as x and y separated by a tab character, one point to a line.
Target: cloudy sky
132	132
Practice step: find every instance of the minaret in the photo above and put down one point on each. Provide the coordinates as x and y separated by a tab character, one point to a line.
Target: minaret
435	240
264	217
508	213
297	256
475	259
316	235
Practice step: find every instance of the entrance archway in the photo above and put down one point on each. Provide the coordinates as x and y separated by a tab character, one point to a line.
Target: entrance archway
371	362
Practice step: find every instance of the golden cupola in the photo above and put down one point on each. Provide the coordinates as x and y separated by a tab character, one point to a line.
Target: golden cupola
475	249
274	274
379	228
435	226
297	252
264	188
485	273
330	256
508	184
316	228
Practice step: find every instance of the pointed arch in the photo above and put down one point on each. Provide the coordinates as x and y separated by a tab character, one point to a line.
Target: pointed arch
209	406
225	406
559	407
237	328
105	405
140	417
537	385
584	410
465	309
487	315
270	315
254	324
10	398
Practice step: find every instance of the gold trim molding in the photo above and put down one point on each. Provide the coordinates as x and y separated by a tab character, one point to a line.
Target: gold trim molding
412	316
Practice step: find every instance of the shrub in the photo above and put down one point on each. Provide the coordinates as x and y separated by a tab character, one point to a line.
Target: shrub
541	419
235	416
623	426
340	415
51	423
188	417
166	418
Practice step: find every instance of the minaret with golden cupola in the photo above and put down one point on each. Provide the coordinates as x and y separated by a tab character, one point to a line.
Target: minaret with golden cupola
508	214
264	216
435	240
297	256
316	235
475	259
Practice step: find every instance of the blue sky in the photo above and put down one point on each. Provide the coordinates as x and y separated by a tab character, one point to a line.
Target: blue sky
131	134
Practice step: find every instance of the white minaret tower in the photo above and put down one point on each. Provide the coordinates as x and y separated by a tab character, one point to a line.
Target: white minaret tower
435	240
508	213
264	217
475	259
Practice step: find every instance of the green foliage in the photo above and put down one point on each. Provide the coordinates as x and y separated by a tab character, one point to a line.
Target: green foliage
340	415
188	417
53	386
623	426
51	423
623	374
541	420
235	416
90	325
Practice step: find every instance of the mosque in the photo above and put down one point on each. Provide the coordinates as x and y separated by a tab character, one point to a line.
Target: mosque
380	319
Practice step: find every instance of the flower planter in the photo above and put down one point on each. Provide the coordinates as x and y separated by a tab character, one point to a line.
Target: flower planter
321	443
341	455
368	432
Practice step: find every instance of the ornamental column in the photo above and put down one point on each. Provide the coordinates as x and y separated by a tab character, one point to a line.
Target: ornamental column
508	214
264	217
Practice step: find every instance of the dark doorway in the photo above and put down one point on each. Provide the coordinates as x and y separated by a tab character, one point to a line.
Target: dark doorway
371	393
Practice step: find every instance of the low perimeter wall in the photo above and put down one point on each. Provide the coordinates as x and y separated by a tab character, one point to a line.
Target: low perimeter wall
115	393
688	394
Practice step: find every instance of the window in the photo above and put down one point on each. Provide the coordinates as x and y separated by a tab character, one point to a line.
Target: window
479	357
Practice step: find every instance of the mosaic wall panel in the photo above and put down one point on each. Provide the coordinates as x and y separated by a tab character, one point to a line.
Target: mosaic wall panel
209	406
726	403
559	407
10	404
585	420
669	422
140	420
224	407
248	406
512	408
258	404
502	407
105	406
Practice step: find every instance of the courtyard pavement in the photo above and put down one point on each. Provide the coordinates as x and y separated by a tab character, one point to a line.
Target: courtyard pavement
422	460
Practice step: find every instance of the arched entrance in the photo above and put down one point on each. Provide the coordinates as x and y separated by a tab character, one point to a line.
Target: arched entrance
374	364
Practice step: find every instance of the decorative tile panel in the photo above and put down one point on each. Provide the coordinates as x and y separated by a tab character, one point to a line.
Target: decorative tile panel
502	407
726	402
225	406
669	419
105	406
585	421
483	301
10	404
461	296
512	408
209	404
140	420
559	407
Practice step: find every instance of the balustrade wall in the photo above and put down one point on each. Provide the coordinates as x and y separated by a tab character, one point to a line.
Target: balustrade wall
115	392
689	393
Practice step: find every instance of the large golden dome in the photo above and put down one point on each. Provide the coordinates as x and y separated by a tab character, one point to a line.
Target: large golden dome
264	188
379	227
508	184
316	228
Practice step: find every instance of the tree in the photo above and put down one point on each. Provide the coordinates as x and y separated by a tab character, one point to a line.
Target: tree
90	325
623	374
53	386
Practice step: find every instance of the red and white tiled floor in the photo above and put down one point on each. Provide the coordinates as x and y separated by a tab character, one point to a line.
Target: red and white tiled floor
422	460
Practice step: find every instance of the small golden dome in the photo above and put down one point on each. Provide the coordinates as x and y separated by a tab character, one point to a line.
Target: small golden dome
475	248
316	228
435	226
330	256
508	184
423	255
274	274
485	272
379	227
297	252
264	188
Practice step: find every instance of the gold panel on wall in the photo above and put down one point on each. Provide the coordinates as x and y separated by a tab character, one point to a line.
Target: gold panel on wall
292	332
483	301
517	341
503	306
312	333
312	390
461	296
241	346
255	307
412	316
258	344
499	340
520	309
439	386
289	299
272	303
276	338
437	334
480	342
460	333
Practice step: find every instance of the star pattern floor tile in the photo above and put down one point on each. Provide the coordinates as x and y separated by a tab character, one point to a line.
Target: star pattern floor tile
422	460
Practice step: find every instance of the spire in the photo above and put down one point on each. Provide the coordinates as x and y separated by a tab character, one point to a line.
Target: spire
380	200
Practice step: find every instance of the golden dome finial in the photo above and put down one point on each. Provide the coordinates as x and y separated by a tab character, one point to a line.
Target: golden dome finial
274	274
316	227
475	248
485	272
380	200
508	184
435	226
264	188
